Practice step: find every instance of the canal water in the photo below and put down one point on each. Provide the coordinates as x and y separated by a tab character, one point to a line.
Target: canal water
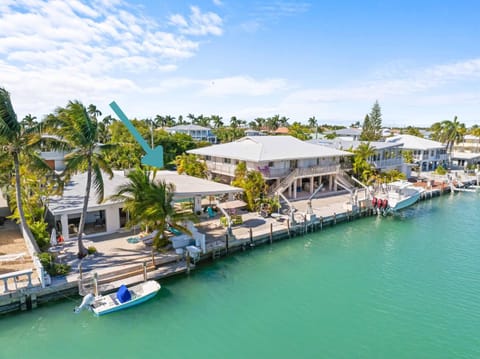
399	287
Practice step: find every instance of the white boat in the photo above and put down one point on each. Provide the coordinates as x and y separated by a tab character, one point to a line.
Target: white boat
122	299
396	196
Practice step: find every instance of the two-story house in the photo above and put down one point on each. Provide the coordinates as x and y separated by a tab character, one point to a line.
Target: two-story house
427	154
287	164
388	155
198	133
467	152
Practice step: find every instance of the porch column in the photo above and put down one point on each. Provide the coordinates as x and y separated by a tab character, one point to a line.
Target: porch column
290	190
277	183
311	184
334	182
295	188
64	221
197	204
330	182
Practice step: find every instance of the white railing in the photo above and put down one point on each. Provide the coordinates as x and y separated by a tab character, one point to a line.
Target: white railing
388	163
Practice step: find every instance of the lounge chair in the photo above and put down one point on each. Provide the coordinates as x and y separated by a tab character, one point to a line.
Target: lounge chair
12	257
148	238
211	212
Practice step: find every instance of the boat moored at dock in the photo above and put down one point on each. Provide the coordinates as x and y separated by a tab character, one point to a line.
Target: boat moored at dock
396	196
122	299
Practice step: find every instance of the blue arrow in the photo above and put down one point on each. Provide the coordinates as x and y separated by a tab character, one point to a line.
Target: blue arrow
153	157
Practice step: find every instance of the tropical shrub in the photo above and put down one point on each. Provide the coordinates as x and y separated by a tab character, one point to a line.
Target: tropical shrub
52	268
440	170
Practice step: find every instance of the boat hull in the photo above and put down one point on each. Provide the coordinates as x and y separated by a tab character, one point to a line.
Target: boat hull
407	202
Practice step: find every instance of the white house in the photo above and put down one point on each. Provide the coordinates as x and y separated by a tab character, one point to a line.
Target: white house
427	154
198	133
388	155
352	133
467	152
108	216
286	163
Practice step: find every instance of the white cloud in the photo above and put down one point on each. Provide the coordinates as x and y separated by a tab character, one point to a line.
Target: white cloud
410	82
199	24
86	48
217	2
242	85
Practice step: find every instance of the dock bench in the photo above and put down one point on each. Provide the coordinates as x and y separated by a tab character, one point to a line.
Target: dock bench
15	275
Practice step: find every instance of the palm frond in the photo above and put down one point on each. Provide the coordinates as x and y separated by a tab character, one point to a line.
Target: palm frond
98	184
9	125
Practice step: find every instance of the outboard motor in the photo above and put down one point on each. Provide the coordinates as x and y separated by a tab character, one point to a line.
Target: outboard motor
86	303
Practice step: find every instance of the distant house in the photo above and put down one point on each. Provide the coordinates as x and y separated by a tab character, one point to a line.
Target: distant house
249	133
286	163
282	131
388	155
352	134
427	154
198	133
109	216
467	152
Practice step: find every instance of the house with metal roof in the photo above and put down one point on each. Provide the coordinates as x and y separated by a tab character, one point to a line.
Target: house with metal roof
286	163
467	152
352	133
109	216
427	154
198	133
388	155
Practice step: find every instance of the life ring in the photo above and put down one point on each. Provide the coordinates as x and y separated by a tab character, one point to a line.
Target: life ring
60	239
385	203
374	202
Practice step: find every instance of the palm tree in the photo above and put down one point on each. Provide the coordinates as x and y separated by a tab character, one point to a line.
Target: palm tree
150	203
449	132
16	140
361	167
94	112
312	122
75	127
217	121
28	121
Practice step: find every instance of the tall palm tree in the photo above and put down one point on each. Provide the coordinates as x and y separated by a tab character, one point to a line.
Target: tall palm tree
75	127
312	122
16	140
28	121
150	203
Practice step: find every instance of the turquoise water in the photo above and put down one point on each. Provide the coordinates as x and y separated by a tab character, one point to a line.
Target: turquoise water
402	287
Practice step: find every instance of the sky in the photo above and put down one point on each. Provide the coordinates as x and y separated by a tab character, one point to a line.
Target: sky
329	59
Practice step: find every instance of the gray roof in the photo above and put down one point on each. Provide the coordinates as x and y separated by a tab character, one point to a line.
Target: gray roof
268	148
188	128
347	131
415	143
185	187
349	144
465	155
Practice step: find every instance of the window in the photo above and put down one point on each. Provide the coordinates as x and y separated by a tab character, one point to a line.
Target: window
227	160
208	158
271	164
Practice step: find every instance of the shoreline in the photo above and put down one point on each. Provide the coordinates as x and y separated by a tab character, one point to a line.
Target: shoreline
241	239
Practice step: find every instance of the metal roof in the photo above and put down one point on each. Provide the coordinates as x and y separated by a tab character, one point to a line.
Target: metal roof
268	148
185	187
352	144
415	143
